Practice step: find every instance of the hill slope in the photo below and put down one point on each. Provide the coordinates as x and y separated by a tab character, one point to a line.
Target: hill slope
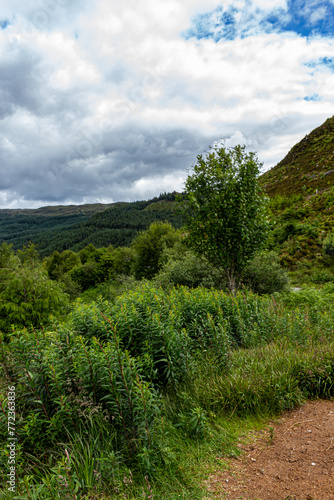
308	166
74	227
301	188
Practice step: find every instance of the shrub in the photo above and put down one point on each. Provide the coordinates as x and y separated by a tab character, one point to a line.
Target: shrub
182	267
90	391
59	264
322	276
85	275
27	295
328	245
64	380
148	247
264	273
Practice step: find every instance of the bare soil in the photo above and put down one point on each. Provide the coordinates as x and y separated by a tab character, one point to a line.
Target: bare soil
291	459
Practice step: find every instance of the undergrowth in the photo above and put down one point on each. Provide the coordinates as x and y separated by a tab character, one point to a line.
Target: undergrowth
137	398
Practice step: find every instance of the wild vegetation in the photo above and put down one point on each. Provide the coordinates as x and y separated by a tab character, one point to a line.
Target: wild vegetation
136	368
108	398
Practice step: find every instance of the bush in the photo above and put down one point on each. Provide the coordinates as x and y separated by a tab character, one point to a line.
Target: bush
107	390
182	267
328	245
315	299
264	273
64	380
27	295
62	263
322	276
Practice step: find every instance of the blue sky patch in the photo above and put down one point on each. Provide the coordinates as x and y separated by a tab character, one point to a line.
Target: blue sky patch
4	23
314	97
304	17
218	24
327	61
319	64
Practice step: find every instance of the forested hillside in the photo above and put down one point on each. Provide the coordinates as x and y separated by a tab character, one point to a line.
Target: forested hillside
66	228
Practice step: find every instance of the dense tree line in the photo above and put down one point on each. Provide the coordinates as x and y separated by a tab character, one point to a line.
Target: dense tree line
115	226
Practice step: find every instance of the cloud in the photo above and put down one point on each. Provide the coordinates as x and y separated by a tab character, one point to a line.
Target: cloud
105	101
106	164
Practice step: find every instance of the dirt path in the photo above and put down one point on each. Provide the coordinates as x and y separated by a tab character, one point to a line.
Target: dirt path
292	459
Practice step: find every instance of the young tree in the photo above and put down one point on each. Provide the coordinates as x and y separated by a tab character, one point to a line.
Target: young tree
148	247
225	212
27	295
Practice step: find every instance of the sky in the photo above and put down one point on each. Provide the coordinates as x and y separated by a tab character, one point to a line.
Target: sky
104	101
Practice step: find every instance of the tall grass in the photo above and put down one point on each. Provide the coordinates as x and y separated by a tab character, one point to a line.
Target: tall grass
108	400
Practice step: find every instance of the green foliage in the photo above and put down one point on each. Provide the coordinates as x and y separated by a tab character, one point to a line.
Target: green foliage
329	195
27	295
109	290
322	276
85	275
148	247
59	264
316	299
279	203
63	379
101	265
181	266
59	267
328	245
225	212
193	423
268	380
264	274
288	229
132	389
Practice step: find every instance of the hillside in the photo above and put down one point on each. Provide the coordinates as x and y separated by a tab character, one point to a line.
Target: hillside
74	227
301	191
60	210
309	165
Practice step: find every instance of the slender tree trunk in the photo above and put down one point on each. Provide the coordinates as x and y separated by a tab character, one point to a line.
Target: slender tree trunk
231	281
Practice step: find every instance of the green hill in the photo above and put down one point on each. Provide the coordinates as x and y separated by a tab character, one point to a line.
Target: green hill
308	167
301	188
73	227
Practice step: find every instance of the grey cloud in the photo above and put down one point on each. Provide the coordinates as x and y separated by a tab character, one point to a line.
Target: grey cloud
6	108
25	83
20	81
111	169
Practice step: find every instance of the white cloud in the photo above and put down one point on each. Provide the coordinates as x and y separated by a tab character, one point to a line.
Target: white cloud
114	103
318	15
